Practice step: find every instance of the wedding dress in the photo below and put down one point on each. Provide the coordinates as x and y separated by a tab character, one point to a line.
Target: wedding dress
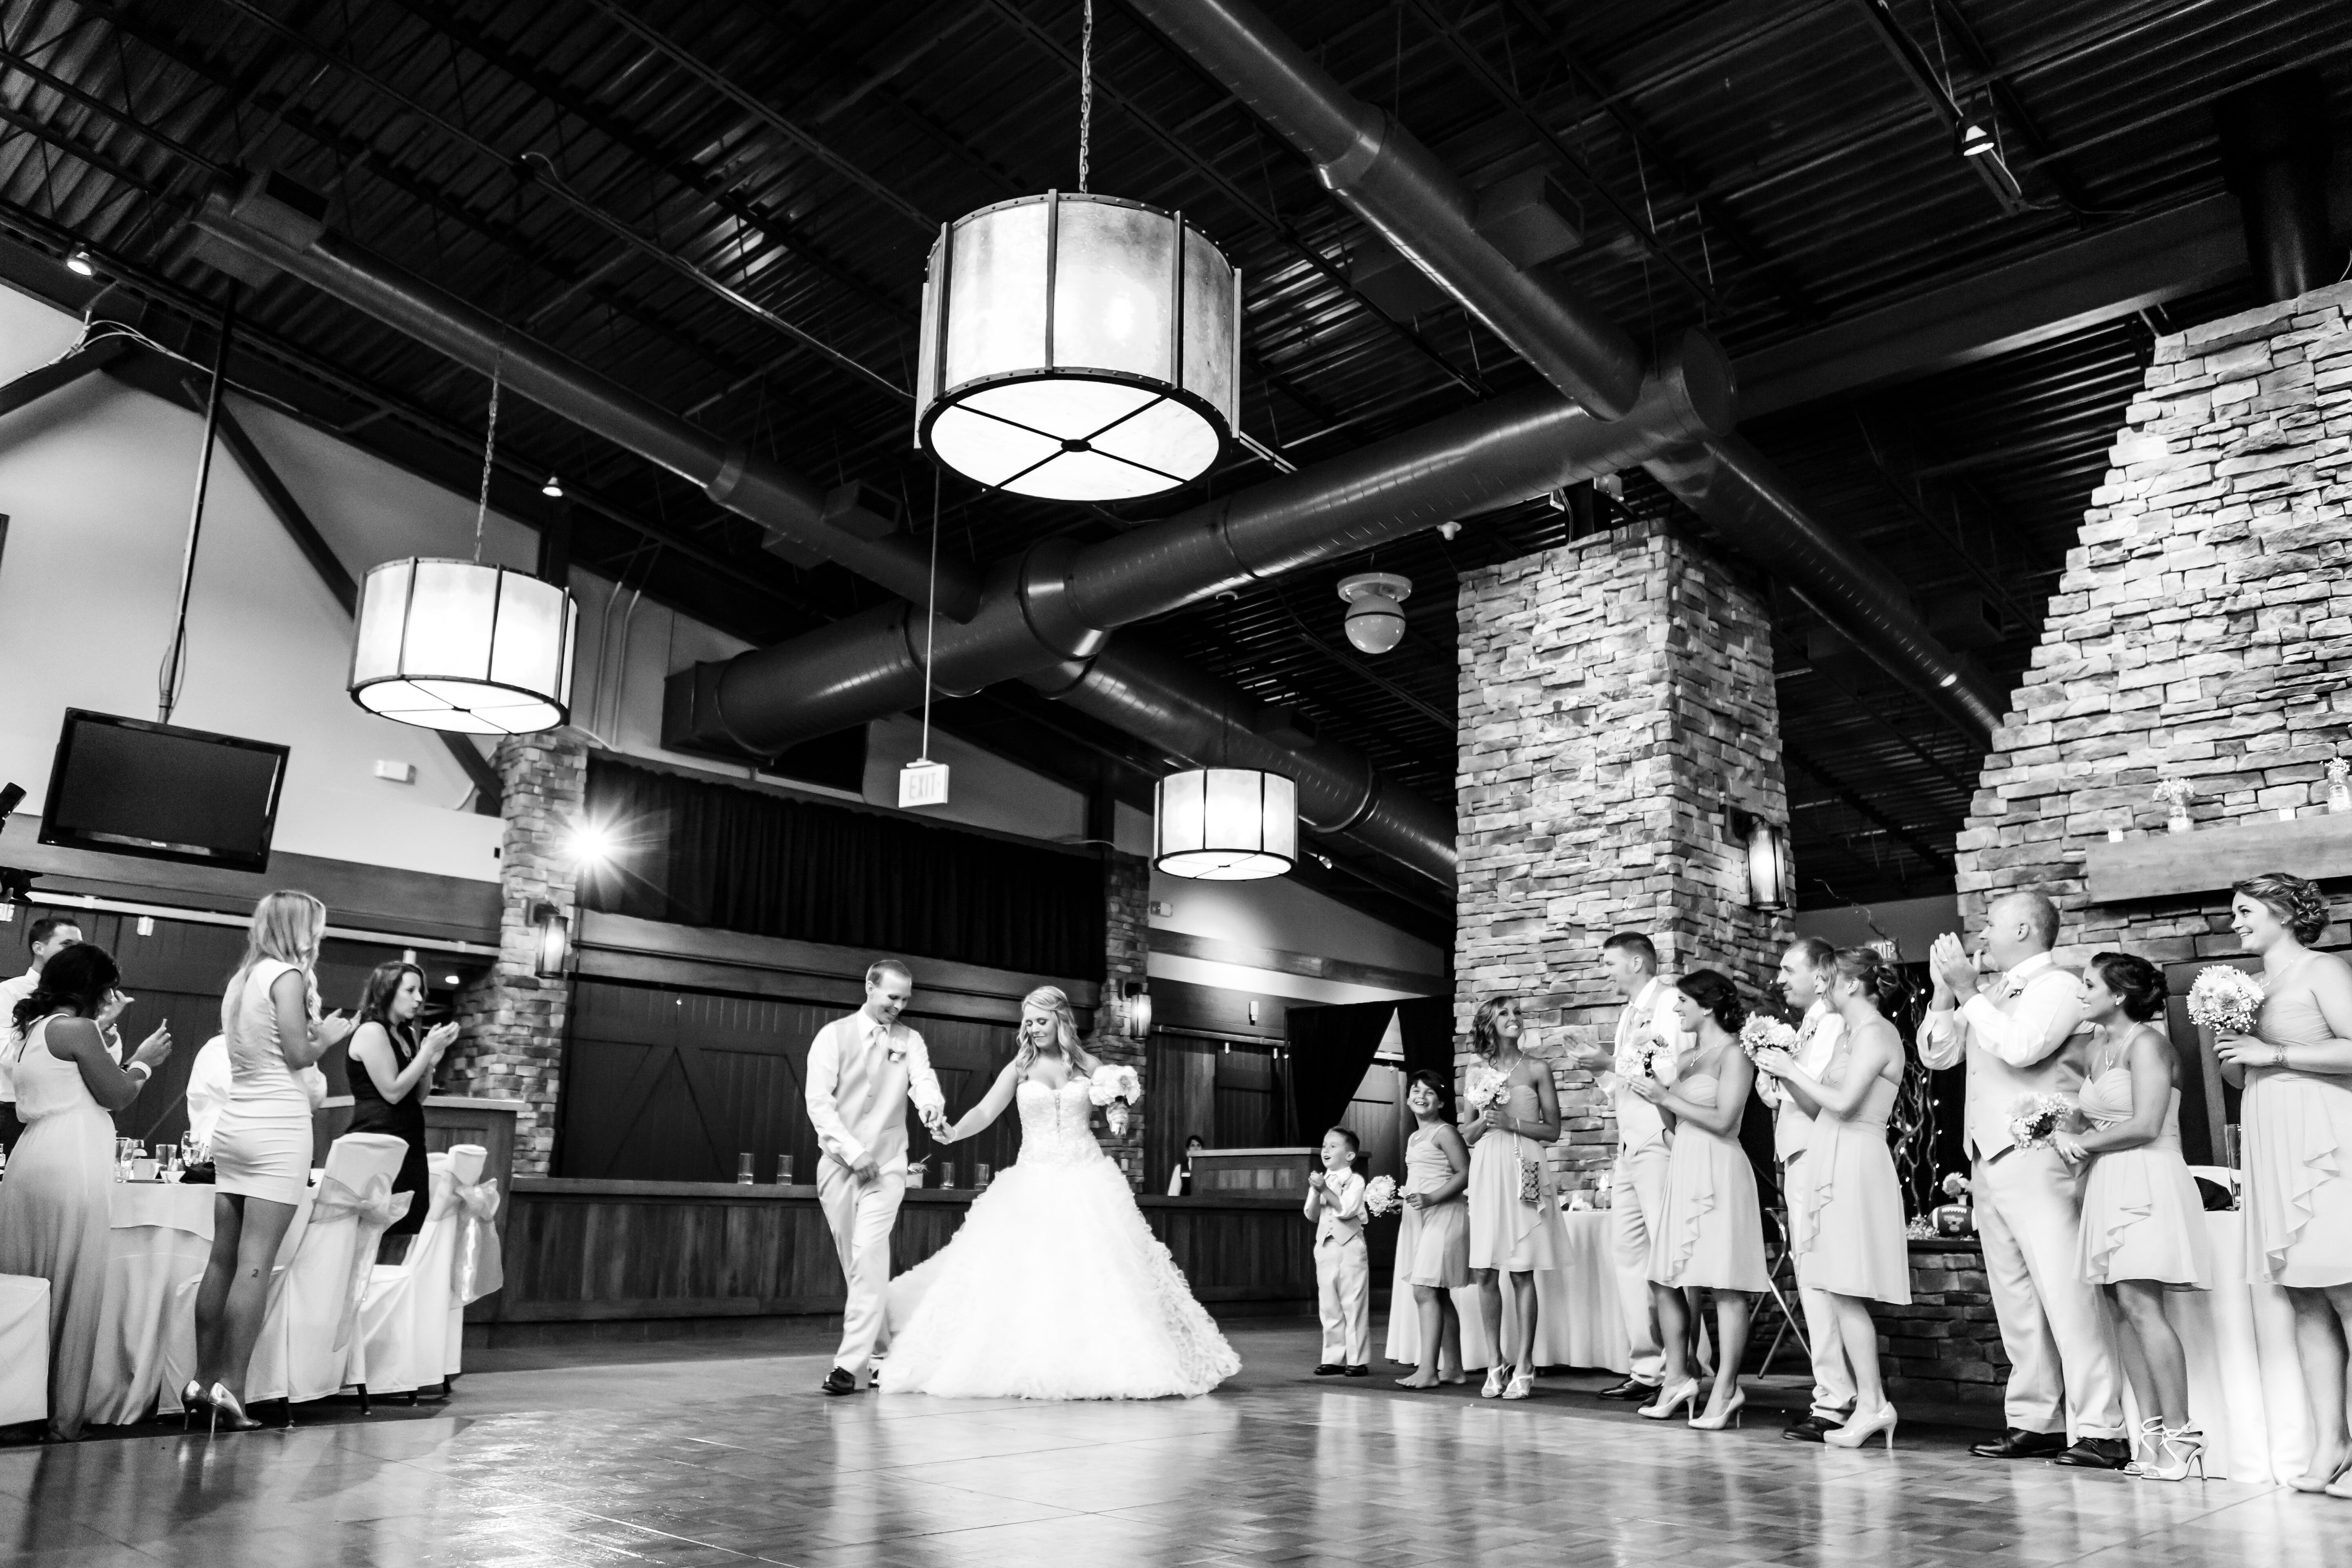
1054	1287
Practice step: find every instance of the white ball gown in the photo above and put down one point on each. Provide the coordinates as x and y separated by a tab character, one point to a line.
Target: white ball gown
1054	1287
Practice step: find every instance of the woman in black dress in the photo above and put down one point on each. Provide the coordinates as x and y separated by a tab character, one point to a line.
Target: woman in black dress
391	1074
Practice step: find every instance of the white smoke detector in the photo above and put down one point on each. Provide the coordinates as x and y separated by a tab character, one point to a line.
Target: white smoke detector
1375	609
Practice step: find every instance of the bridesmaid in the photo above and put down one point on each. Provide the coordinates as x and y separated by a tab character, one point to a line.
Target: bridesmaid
2295	1119
1855	1247
1432	1258
1712	1237
1515	1224
2143	1223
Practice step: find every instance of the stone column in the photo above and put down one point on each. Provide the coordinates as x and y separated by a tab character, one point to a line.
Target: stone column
513	1047
1127	947
1617	709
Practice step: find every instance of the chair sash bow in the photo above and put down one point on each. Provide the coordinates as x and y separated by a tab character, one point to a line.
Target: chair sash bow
373	1206
478	1267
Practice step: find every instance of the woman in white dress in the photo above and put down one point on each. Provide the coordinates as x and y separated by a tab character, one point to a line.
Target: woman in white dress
261	1145
1054	1287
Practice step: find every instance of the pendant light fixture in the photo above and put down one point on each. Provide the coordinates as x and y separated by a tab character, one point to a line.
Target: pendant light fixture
461	645
1224	824
1075	346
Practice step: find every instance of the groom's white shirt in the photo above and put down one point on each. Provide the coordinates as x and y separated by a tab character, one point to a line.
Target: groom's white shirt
860	1076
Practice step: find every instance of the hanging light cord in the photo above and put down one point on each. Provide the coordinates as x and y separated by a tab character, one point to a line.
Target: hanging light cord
489	450
176	655
1086	94
930	618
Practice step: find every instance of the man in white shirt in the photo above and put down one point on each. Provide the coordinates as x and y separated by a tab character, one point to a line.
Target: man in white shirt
209	1081
1638	1193
46	937
1806	970
2014	1035
861	1071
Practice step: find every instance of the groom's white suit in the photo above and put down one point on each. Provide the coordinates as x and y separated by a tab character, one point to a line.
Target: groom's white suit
861	1074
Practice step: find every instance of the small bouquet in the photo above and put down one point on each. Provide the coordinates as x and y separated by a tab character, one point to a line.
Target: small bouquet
2035	1118
1114	1087
1485	1087
1956	1186
2225	1000
1380	1196
1652	1049
2174	793
1764	1033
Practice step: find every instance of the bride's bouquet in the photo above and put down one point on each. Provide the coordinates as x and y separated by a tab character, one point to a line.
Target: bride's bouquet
2225	1000
1380	1196
2035	1118
1114	1087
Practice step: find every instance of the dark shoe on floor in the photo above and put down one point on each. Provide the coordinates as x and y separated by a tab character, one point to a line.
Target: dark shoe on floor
1359	1372
1811	1429
2096	1454
1633	1391
1330	1369
838	1382
2019	1444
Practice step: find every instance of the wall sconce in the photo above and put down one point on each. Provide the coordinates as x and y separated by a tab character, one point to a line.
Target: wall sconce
1770	874
1135	1008
554	940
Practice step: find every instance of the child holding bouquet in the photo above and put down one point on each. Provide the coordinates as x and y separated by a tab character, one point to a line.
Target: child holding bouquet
1343	1270
1432	1258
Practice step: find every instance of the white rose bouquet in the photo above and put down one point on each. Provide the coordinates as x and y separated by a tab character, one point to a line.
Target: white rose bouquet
1380	1196
2225	1000
2035	1118
1114	1087
1485	1087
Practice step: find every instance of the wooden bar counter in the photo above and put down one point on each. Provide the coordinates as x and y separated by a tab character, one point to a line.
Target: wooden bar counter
601	1251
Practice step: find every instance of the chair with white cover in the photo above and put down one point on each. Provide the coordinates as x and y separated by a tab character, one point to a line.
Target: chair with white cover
406	1315
24	1349
309	1329
477	1262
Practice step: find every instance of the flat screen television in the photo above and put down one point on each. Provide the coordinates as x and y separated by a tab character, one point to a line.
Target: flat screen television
128	786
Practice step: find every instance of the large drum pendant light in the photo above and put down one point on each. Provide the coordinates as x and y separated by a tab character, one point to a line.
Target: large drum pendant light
462	644
1077	347
1224	824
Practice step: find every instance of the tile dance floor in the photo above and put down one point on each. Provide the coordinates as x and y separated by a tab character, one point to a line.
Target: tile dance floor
719	1461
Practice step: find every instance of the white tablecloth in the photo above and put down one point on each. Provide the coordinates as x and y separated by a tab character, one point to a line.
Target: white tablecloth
24	1349
163	1234
1578	1323
2245	1387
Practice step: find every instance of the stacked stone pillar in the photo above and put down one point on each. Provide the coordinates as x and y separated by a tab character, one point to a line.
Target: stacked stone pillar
514	1021
1127	948
1616	714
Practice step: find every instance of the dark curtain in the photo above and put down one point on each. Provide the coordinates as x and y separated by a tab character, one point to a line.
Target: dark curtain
1426	1023
711	855
1331	1048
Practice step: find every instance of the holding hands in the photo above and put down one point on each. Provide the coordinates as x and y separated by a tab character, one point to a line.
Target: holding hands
935	1122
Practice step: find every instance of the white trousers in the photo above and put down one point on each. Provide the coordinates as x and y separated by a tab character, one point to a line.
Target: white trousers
860	1215
1833	1390
1638	1199
2054	1323
1343	1296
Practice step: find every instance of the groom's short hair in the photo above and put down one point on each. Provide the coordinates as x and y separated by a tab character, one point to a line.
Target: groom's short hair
882	966
1634	943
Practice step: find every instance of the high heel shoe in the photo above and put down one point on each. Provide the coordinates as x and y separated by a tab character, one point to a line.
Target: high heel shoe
192	1399
1497	1380
1670	1399
1730	1417
226	1404
1523	1383
1862	1428
2178	1450
2147	1445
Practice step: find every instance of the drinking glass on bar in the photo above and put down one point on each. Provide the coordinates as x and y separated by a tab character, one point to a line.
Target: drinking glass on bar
743	1169
946	1172
783	1170
980	1173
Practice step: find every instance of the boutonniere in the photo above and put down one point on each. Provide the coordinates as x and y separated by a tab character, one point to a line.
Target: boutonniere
895	1047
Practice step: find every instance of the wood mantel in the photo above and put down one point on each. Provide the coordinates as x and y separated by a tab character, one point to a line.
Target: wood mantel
2171	865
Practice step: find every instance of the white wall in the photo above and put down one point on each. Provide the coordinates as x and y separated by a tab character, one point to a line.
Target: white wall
1280	913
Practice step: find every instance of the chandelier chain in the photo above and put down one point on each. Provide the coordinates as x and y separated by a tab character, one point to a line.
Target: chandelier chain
489	450
1086	94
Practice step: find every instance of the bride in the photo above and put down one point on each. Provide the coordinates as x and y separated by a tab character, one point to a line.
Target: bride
1054	1287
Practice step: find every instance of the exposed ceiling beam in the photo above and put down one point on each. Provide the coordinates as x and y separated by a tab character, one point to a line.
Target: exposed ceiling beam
63	371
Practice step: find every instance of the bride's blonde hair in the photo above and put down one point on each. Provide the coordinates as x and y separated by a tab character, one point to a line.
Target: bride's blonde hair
1049	998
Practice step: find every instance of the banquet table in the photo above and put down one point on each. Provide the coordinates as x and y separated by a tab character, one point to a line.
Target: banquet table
24	1349
1578	1322
162	1233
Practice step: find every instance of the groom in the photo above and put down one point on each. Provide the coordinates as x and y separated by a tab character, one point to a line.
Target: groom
861	1071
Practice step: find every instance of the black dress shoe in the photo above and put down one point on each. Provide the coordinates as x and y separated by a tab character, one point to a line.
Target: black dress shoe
1330	1369
1359	1372
1810	1429
2019	1444
838	1382
1633	1391
2096	1454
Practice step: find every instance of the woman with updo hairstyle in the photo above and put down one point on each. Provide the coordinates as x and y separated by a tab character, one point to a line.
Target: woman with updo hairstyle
1711	1235
2143	1223
2295	1132
1854	1248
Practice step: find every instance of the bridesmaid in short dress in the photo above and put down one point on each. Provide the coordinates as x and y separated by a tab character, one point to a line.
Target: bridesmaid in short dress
1855	1247
2295	1126
1712	1237
1432	1258
1515	1224
2143	1223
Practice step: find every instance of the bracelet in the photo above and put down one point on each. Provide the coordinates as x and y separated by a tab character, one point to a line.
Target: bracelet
2278	1056
142	1069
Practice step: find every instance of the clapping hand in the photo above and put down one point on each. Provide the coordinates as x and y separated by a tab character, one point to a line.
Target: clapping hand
1954	969
331	1030
439	1038
1779	1063
1648	1088
1315	1180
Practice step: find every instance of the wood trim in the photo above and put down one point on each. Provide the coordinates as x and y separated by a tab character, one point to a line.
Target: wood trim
2174	865
1309	965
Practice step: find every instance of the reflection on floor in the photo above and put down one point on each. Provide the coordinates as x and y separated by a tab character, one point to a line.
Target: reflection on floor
710	1459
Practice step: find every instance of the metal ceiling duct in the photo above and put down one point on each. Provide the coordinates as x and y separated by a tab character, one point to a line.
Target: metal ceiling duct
280	225
2274	156
1397	186
1060	600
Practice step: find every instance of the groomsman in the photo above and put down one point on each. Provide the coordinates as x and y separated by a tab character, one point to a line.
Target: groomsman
2013	1033
1806	971
861	1071
1638	1194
